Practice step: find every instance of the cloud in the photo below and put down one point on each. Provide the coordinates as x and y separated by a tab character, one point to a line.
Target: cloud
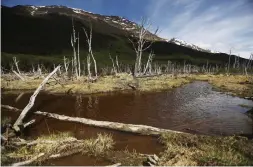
217	25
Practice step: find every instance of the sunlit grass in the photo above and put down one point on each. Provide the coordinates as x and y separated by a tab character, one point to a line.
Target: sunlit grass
240	85
188	149
104	84
61	143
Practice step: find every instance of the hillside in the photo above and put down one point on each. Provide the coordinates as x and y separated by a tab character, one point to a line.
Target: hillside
43	34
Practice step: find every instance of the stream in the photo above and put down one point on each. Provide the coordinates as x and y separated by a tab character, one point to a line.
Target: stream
194	108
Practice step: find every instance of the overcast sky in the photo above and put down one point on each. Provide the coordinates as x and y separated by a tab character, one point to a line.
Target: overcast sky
214	24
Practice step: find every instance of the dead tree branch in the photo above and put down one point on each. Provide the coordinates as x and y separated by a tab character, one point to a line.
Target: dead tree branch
19	121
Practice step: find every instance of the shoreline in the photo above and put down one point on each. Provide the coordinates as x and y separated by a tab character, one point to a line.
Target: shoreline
235	85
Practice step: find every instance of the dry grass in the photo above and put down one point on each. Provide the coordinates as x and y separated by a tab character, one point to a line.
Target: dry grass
126	158
61	144
104	84
98	146
239	85
188	149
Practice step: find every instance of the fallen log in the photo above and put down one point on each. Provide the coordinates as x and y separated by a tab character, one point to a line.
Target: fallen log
114	165
19	121
139	129
28	161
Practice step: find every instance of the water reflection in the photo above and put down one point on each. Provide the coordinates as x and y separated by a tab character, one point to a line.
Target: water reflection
92	106
194	107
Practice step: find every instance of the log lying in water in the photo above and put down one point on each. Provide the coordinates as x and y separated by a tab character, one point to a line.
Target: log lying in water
140	129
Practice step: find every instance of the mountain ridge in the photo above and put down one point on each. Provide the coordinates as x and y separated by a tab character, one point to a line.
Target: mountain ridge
46	30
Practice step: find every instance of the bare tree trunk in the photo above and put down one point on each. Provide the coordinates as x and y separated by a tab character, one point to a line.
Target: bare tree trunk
140	129
117	64
33	70
88	66
16	64
19	121
140	46
66	64
89	40
78	58
229	62
73	44
148	65
114	69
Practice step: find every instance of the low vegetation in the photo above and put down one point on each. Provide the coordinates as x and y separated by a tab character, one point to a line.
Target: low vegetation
55	146
120	82
188	149
239	85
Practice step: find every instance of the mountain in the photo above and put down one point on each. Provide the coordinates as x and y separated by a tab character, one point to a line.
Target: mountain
42	33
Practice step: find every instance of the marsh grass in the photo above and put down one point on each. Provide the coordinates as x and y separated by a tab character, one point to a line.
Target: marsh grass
104	84
188	149
60	144
239	85
98	146
126	157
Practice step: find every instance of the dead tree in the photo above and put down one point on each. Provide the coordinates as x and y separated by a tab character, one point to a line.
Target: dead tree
39	70
66	64
117	64
113	66
76	59
16	64
142	43
148	66
19	121
229	62
90	53
248	64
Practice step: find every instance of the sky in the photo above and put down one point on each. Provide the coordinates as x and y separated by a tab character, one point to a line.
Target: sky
219	25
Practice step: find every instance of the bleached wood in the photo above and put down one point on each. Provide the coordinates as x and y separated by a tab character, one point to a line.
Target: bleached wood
19	121
17	74
28	161
139	129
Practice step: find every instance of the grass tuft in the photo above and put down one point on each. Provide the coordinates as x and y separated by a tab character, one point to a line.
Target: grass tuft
188	149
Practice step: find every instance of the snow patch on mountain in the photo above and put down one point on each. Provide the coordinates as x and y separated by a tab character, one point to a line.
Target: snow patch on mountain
192	46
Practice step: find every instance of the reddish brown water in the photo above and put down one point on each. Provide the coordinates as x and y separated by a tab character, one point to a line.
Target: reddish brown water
194	108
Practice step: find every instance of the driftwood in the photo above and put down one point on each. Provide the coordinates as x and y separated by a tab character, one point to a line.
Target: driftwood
19	76
28	161
19	121
140	129
117	164
147	76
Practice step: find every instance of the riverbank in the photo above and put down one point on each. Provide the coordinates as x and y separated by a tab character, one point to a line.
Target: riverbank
238	85
118	83
179	149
